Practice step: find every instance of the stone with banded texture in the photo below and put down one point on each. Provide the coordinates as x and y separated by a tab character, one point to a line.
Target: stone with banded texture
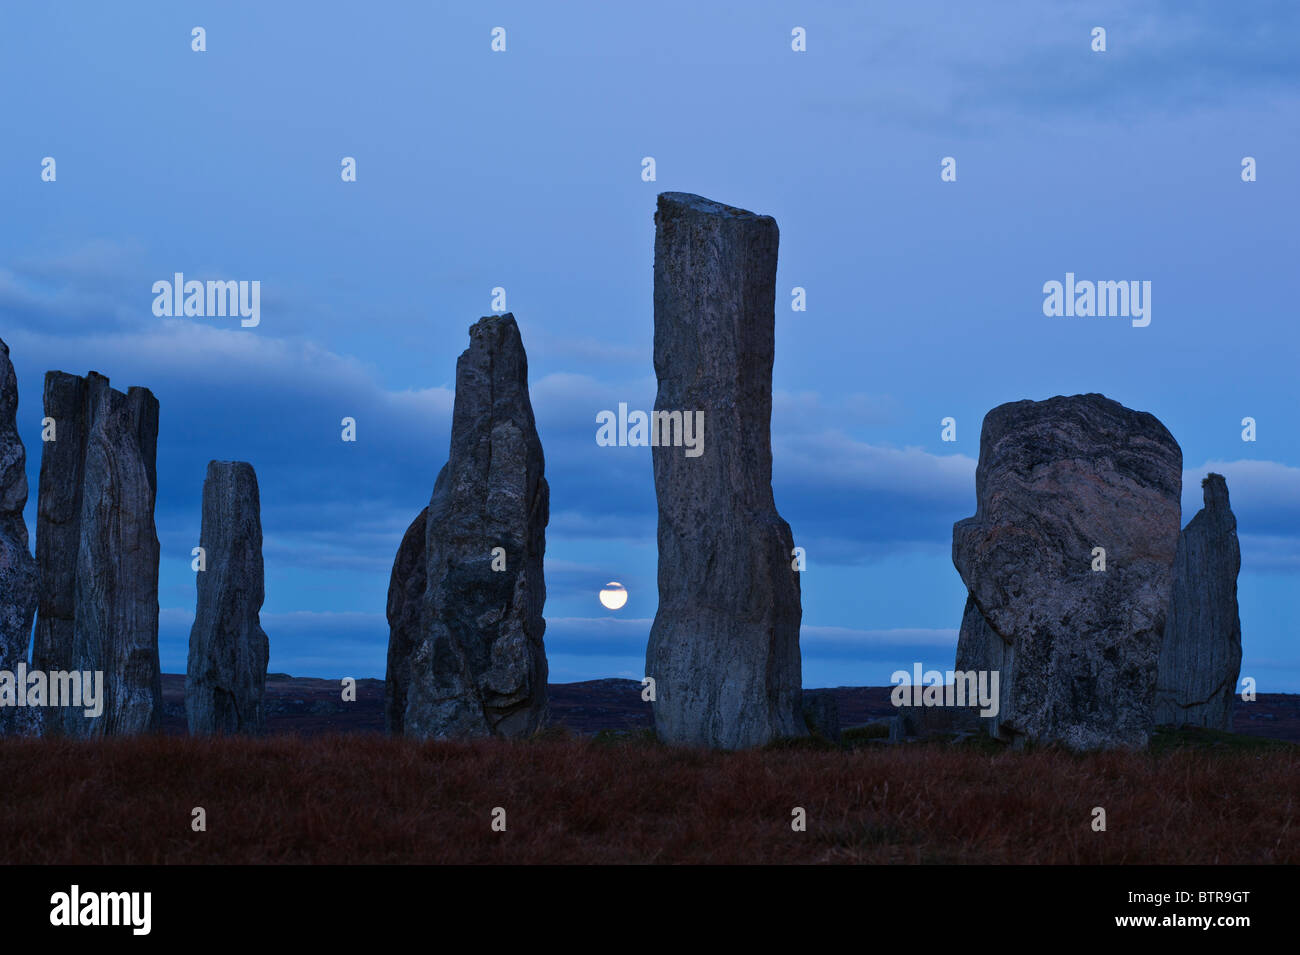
724	646
19	580
1200	657
97	548
225	677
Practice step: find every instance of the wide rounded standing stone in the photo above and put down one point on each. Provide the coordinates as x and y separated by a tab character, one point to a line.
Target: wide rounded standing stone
1076	648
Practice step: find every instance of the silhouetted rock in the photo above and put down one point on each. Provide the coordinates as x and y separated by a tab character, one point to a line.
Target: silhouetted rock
979	649
1077	648
822	714
724	647
479	667
225	678
405	605
70	401
98	550
19	581
1200	658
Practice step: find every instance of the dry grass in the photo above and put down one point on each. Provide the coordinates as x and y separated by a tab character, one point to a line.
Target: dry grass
353	799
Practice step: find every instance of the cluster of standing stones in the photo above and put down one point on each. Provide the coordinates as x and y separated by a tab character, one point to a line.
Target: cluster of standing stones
1090	655
93	585
1101	618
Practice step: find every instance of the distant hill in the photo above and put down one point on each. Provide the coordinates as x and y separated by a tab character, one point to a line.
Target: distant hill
309	706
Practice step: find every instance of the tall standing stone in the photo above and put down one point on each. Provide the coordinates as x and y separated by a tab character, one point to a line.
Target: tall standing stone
97	548
405	607
724	646
1200	658
70	401
1076	647
479	666
19	581
225	678
116	626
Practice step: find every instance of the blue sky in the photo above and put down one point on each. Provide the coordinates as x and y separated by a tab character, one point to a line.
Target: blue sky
522	170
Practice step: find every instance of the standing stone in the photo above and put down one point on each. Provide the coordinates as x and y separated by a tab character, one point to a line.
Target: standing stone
98	550
979	649
1200	659
405	606
479	666
225	678
70	401
19	582
116	627
1077	648
821	712
724	647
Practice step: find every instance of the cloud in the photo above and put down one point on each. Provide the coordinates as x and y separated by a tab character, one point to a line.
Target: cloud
1031	61
791	411
588	351
303	643
838	642
856	502
247	394
577	635
278	403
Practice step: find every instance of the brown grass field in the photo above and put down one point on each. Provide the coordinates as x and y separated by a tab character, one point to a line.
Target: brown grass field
623	798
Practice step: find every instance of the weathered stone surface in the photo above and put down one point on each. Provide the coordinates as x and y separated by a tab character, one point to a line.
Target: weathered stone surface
115	572
479	667
70	401
1200	658
822	714
979	649
724	647
405	605
225	678
1077	649
19	581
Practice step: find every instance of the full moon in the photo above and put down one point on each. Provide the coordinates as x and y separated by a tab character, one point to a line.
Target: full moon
613	595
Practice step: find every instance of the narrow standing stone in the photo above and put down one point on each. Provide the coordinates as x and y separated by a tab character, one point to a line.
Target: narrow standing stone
405	605
225	679
19	580
70	401
479	667
724	647
1200	658
97	549
115	574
